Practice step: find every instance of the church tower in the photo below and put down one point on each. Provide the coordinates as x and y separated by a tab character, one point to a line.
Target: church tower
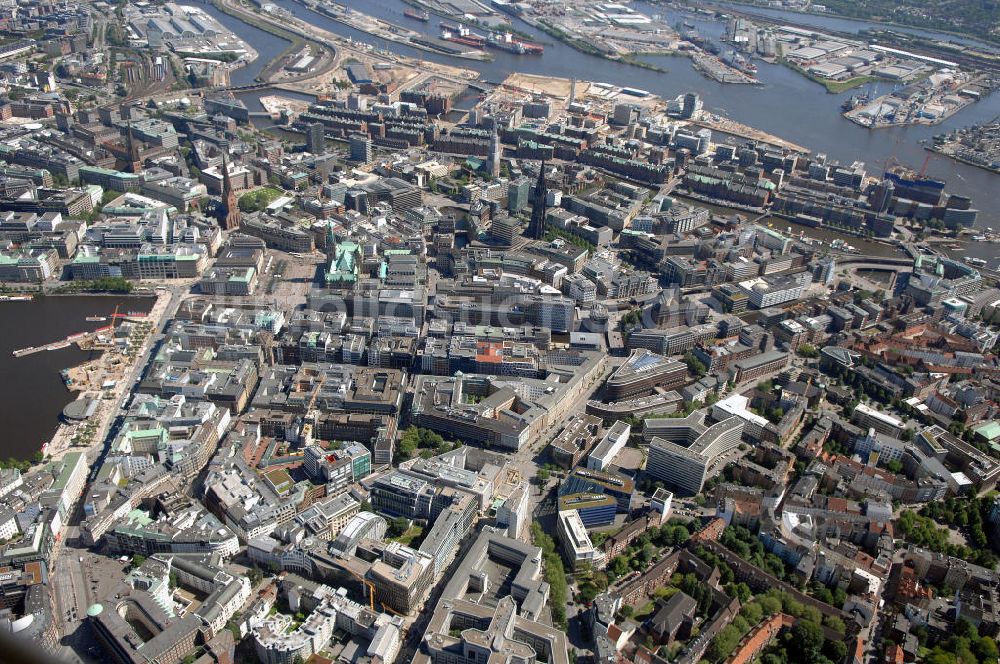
495	152
331	243
229	217
134	158
536	228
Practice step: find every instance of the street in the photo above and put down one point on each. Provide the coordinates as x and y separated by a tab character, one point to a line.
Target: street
74	582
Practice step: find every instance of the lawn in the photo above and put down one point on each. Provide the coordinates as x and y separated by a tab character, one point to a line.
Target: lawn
412	533
836	87
258	199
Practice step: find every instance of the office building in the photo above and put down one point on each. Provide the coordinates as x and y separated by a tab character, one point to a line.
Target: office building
576	543
684	449
360	147
316	139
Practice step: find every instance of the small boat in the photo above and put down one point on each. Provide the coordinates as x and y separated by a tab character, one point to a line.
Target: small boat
417	16
975	261
16	298
688	24
96	319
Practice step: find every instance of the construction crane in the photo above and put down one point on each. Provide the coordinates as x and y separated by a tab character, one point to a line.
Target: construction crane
927	161
365	582
389	609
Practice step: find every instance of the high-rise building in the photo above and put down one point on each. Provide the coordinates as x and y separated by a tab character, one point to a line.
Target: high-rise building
536	228
315	138
504	228
517	194
229	214
360	148
690	105
825	271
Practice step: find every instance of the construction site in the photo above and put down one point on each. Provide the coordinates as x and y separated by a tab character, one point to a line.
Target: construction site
104	380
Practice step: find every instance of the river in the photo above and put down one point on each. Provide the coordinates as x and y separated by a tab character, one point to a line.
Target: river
32	394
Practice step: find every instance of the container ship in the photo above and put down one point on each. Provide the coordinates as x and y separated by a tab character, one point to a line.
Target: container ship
460	34
417	15
505	41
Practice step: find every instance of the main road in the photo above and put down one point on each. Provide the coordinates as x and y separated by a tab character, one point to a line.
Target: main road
71	592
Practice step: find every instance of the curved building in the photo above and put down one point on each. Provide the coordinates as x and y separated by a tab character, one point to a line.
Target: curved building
683	450
363	525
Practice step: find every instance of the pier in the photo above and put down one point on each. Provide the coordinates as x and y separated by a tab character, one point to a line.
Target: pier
81	337
62	343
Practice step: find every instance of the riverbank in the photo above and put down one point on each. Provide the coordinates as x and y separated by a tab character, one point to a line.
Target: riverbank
786	104
831	86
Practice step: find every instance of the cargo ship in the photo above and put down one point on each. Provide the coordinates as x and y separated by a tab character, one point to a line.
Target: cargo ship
460	34
737	61
853	102
417	16
505	41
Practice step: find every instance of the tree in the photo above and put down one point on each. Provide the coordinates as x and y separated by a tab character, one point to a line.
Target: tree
835	623
806	642
255	576
835	650
695	365
808	350
398	526
986	649
619	566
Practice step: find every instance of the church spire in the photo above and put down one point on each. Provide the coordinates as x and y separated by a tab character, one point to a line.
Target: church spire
231	218
331	241
536	228
495	152
134	158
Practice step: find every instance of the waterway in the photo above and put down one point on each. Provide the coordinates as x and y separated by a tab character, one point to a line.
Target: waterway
268	46
32	394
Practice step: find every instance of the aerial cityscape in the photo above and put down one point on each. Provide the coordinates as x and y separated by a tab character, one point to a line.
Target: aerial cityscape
500	332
